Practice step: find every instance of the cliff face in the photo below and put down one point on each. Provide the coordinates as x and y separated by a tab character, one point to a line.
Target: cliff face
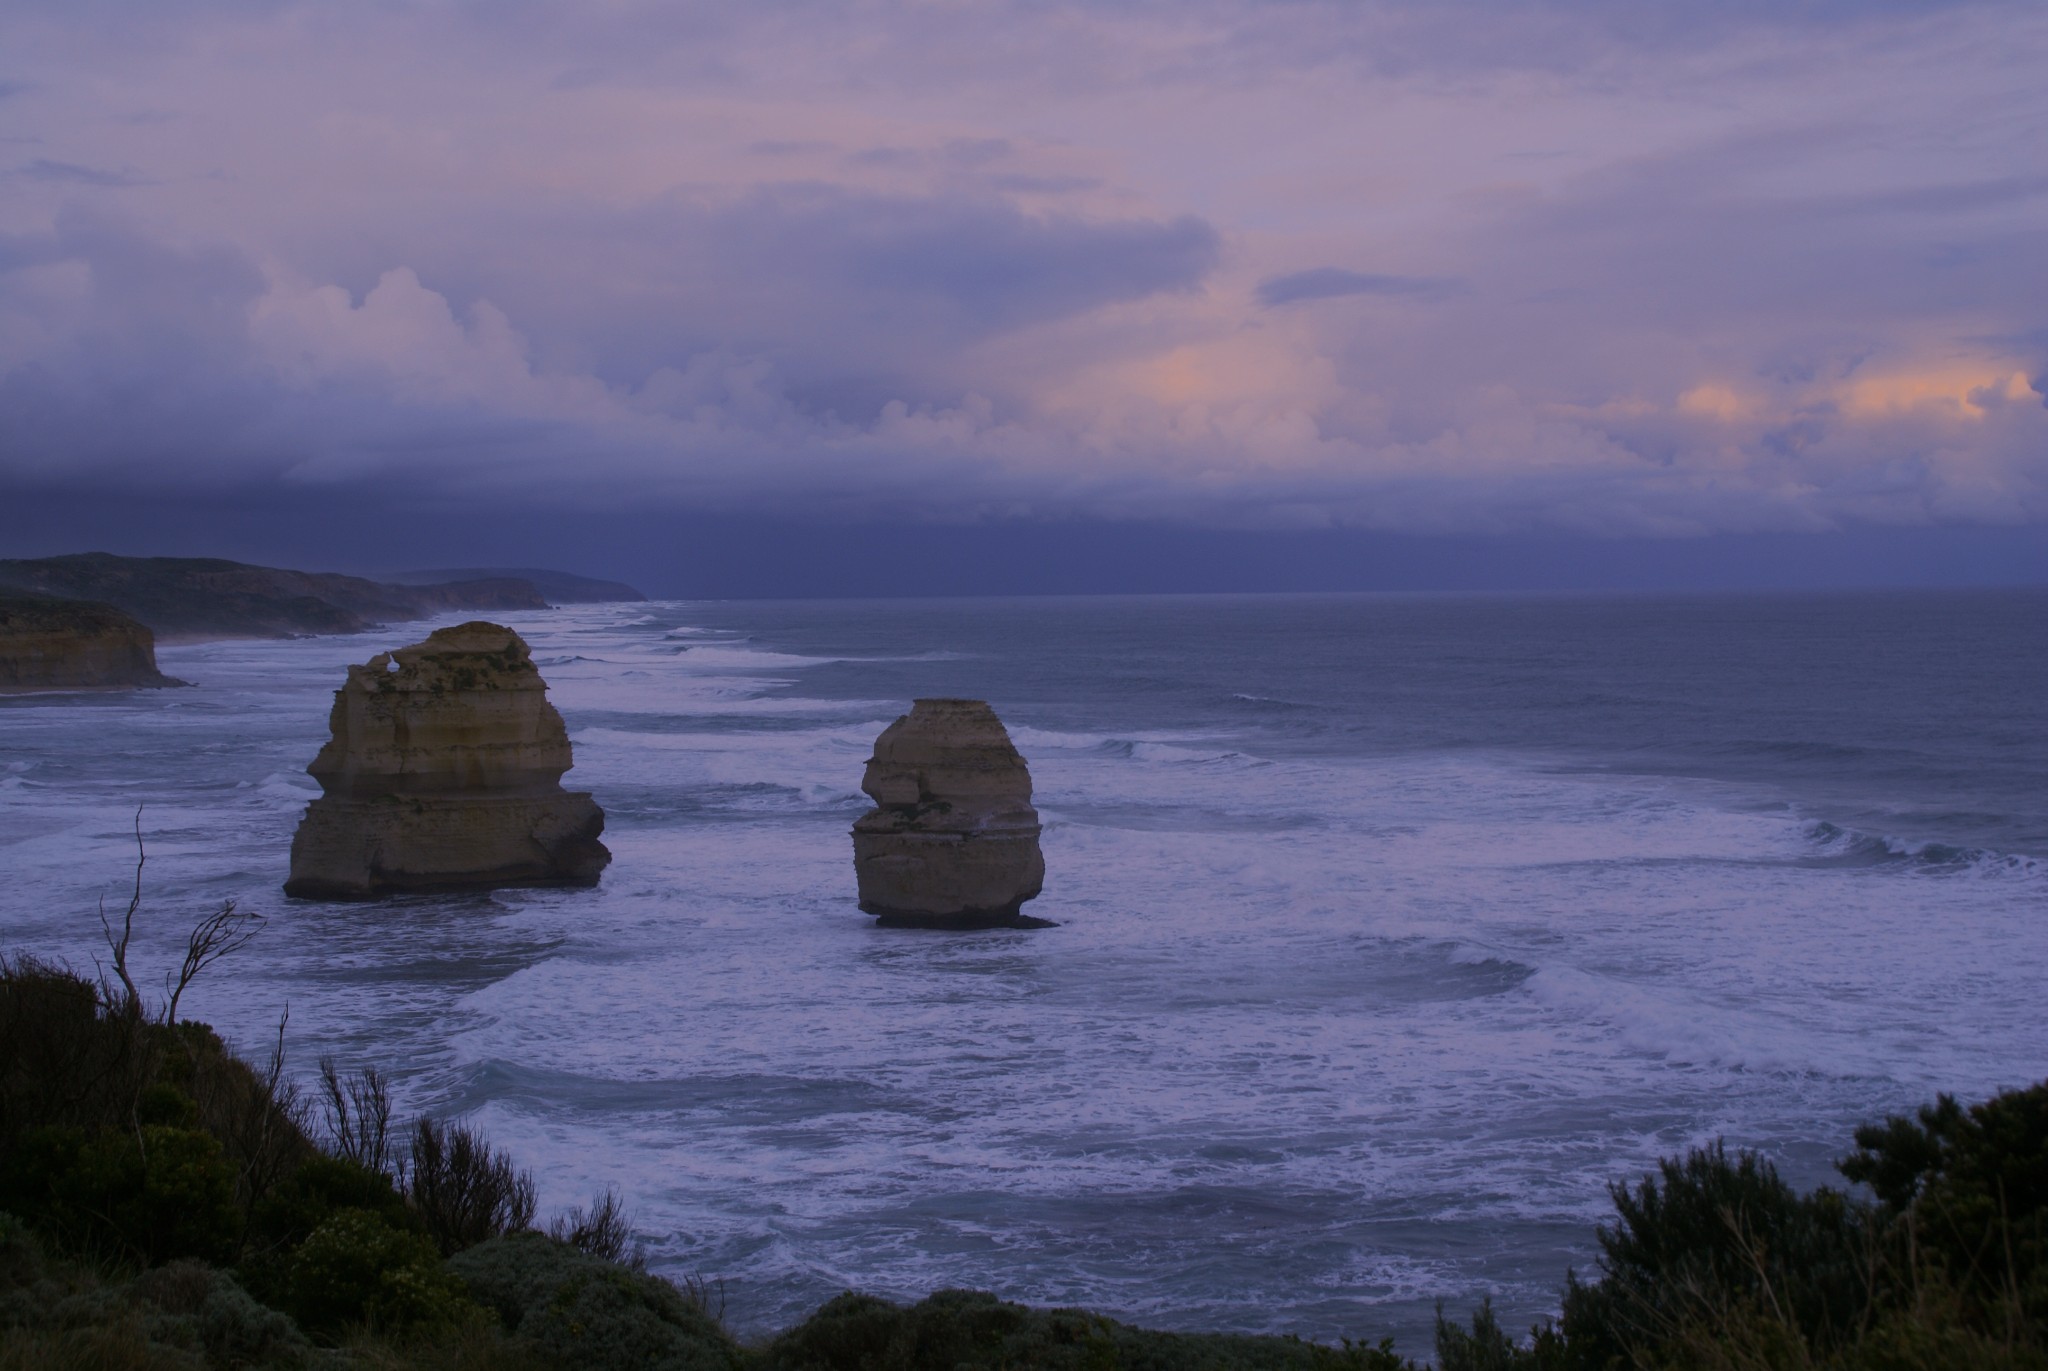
444	771
560	587
206	597
48	644
953	837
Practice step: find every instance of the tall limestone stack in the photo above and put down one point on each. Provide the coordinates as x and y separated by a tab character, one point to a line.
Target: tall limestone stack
444	772
953	838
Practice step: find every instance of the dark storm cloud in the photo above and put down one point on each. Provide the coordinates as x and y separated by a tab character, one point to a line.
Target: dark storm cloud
1329	283
977	266
836	283
1774	269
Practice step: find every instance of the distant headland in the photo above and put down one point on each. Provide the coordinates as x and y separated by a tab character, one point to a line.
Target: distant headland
560	587
48	643
195	598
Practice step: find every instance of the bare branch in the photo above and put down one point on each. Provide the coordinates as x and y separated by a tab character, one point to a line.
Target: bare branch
214	937
358	1110
130	999
604	1230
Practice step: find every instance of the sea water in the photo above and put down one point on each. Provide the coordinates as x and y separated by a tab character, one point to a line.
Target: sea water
1391	930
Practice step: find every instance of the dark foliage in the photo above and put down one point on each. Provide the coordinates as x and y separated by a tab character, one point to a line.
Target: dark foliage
577	1310
130	1137
603	1230
63	1062
147	1196
359	1269
183	1315
970	1330
463	1190
1486	1346
144	1157
1963	1194
1710	1240
358	1110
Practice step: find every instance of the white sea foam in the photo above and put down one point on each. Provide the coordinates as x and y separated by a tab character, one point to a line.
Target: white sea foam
1316	1035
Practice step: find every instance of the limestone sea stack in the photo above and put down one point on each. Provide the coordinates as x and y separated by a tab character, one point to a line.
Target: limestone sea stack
53	644
444	773
953	839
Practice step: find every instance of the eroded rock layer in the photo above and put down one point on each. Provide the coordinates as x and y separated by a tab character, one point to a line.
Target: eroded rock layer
444	772
953	837
51	644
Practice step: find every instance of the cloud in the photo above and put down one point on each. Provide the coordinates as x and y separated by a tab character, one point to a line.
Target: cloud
70	173
1774	269
1329	283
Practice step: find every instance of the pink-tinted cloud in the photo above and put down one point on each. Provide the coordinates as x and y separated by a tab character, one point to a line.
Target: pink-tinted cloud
1587	266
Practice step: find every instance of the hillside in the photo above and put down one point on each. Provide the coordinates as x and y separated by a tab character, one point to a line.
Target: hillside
206	597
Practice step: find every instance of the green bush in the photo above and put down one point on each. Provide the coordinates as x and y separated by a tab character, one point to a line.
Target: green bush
582	1312
1486	1346
464	1191
970	1330
1964	1196
148	1195
1709	1241
356	1268
55	1313
198	1306
315	1191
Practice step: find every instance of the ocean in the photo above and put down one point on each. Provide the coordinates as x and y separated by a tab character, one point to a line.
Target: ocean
1391	929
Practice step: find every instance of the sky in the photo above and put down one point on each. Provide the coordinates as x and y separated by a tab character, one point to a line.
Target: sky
1004	295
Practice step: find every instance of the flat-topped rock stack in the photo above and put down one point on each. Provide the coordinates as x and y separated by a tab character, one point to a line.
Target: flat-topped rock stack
953	839
444	772
52	644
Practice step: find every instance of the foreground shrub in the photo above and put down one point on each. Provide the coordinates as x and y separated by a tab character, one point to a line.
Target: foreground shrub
472	1345
1485	1346
464	1191
1964	1200
972	1330
147	1195
64	1062
318	1189
185	1314
356	1268
579	1311
1711	1241
603	1230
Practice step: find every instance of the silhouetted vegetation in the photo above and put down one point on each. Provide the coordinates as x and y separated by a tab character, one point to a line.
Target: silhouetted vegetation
164	1204
1716	1263
971	1329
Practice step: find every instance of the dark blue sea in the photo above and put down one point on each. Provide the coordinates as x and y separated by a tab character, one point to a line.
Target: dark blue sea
1392	929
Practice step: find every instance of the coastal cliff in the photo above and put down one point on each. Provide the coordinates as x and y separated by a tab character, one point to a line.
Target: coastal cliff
208	597
444	771
953	838
560	587
52	644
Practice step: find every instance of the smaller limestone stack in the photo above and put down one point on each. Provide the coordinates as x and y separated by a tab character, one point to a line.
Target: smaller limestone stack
444	772
953	838
53	644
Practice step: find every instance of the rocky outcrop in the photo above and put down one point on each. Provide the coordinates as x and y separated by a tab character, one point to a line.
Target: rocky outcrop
444	772
50	644
207	597
953	839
